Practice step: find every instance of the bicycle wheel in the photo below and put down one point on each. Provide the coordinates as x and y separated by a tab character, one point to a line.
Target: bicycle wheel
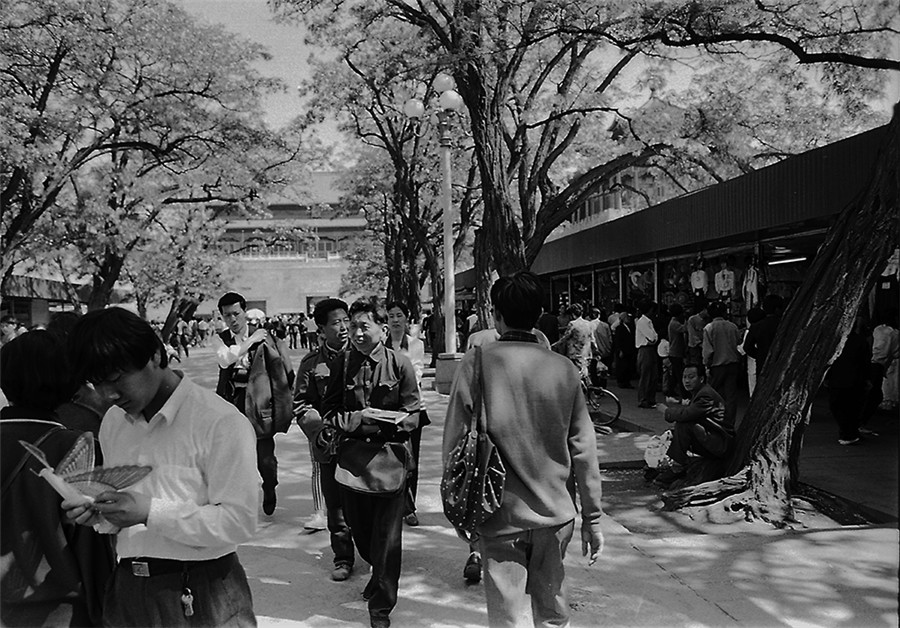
603	406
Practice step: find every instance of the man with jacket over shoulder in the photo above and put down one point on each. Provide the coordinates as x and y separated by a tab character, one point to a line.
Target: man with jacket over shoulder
255	375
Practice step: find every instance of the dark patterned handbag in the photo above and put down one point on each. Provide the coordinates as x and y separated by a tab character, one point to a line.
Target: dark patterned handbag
474	476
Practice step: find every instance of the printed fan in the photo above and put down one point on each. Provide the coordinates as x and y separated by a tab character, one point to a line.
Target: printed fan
76	478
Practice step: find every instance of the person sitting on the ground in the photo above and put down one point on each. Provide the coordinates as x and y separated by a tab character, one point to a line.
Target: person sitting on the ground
699	427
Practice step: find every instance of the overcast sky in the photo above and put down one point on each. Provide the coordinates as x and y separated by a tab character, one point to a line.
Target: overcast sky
253	20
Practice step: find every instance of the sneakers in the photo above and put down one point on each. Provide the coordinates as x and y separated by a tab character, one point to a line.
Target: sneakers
268	503
864	431
472	570
379	621
849	441
411	519
341	572
316	523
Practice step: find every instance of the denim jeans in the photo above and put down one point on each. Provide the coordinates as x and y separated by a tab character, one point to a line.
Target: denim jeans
527	563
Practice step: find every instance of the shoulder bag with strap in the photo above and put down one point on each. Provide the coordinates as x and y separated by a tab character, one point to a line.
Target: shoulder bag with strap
474	476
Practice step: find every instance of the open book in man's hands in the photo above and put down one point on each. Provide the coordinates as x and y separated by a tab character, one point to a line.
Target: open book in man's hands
386	416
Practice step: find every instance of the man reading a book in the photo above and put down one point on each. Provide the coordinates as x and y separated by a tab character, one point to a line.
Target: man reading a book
179	526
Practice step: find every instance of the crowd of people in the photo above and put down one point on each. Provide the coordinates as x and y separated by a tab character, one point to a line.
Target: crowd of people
163	552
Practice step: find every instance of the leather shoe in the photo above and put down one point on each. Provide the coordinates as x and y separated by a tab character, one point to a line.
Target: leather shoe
268	500
380	621
411	519
472	570
341	572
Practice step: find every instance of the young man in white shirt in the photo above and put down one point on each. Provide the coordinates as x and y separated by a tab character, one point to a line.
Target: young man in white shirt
645	339
179	527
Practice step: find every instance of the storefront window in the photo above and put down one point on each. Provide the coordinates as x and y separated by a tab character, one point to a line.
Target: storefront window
606	288
582	290
559	288
638	284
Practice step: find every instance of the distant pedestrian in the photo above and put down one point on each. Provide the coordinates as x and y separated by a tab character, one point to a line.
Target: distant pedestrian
536	413
846	379
755	316
575	342
549	326
761	334
695	324
624	349
400	339
645	341
720	355
677	336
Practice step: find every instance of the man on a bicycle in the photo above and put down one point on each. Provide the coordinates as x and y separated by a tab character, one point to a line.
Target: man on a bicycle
575	343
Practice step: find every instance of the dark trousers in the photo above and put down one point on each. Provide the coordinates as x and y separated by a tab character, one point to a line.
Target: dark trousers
694	355
412	478
624	369
266	462
221	597
874	395
341	539
724	379
675	388
708	443
647	375
844	404
377	525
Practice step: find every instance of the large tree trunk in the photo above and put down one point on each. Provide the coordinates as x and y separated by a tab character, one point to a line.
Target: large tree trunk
811	333
483	266
104	280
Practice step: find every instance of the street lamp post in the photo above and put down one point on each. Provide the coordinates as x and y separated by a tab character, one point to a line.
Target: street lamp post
448	103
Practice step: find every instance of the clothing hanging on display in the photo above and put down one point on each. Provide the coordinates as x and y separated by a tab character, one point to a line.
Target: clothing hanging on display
750	290
699	282
725	282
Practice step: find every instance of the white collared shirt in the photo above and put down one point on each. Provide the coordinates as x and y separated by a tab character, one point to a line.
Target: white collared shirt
644	334
226	355
204	487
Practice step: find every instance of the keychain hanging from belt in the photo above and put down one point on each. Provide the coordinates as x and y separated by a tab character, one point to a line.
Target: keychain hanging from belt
187	598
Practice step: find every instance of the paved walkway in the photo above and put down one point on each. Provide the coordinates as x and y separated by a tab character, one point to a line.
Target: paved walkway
662	569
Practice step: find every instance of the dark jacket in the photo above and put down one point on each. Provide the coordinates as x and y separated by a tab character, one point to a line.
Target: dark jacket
706	407
851	368
759	339
391	385
309	393
267	401
48	566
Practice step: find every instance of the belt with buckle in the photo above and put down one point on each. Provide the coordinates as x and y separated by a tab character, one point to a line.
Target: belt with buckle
147	567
